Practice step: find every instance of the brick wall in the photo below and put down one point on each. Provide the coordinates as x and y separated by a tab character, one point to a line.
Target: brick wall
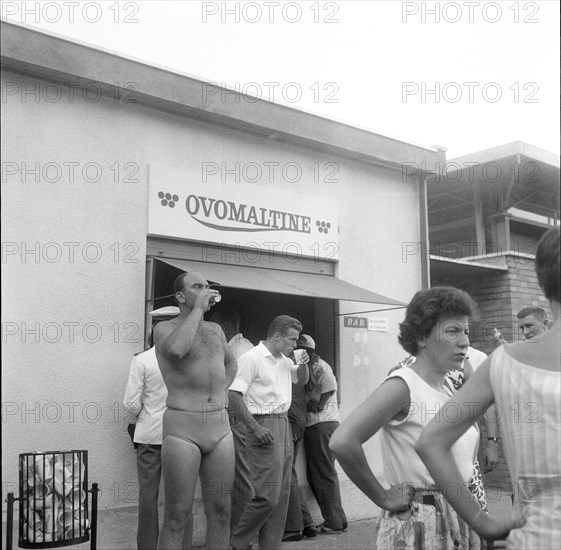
525	290
493	297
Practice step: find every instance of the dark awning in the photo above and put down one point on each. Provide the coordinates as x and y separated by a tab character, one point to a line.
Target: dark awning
282	282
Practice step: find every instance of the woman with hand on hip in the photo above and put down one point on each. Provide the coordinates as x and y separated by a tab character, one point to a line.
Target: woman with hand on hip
524	380
414	512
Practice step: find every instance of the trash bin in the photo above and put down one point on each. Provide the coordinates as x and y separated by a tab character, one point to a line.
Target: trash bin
53	499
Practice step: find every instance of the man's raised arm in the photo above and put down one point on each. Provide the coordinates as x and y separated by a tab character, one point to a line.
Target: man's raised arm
174	338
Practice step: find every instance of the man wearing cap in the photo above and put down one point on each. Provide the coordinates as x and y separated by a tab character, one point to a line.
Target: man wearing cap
260	397
145	402
322	420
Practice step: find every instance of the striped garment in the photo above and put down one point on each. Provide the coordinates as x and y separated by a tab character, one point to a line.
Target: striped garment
529	407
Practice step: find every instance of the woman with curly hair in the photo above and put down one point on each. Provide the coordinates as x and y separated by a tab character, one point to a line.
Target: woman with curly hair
414	512
524	380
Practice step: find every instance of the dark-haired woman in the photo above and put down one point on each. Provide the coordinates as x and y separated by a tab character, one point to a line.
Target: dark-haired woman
524	380
414	512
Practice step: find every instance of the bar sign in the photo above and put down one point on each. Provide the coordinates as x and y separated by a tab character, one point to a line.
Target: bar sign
355	322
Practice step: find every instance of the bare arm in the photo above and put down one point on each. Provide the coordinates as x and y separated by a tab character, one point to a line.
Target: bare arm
324	399
490	418
390	399
230	365
434	448
303	374
318	406
173	342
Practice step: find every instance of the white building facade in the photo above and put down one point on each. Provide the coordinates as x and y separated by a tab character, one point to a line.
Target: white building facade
115	176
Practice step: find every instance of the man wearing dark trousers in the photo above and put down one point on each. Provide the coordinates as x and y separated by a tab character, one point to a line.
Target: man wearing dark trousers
299	522
322	421
229	320
260	397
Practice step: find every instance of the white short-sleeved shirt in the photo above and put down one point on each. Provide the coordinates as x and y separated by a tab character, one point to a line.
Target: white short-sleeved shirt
265	381
322	380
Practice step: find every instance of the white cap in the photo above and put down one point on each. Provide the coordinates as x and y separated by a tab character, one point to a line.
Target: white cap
306	341
168	311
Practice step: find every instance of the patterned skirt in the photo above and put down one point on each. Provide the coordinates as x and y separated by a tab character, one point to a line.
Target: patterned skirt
429	524
476	487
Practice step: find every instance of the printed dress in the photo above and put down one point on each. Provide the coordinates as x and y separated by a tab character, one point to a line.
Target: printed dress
430	522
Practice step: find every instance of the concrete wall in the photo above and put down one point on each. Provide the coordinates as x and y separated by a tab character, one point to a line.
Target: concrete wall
74	274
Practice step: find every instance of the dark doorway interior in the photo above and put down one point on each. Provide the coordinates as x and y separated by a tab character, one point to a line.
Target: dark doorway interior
257	309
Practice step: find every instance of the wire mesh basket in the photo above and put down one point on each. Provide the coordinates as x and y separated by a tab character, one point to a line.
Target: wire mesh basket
53	501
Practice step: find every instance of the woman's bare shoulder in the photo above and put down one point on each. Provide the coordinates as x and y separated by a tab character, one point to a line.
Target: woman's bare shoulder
543	353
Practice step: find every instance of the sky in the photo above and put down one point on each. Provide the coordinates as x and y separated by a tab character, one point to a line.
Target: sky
465	75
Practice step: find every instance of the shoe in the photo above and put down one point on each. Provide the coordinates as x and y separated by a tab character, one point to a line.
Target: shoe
292	536
309	531
328	531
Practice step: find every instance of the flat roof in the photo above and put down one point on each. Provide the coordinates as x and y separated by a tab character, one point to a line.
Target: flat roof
36	53
443	267
495	154
513	177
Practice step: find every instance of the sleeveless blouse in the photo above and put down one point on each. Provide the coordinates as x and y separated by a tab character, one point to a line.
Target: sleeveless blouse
401	461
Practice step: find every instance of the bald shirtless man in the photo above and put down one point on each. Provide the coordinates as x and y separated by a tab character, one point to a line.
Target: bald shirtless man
197	367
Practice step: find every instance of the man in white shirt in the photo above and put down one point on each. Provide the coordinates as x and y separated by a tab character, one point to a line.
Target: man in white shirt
145	401
260	397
